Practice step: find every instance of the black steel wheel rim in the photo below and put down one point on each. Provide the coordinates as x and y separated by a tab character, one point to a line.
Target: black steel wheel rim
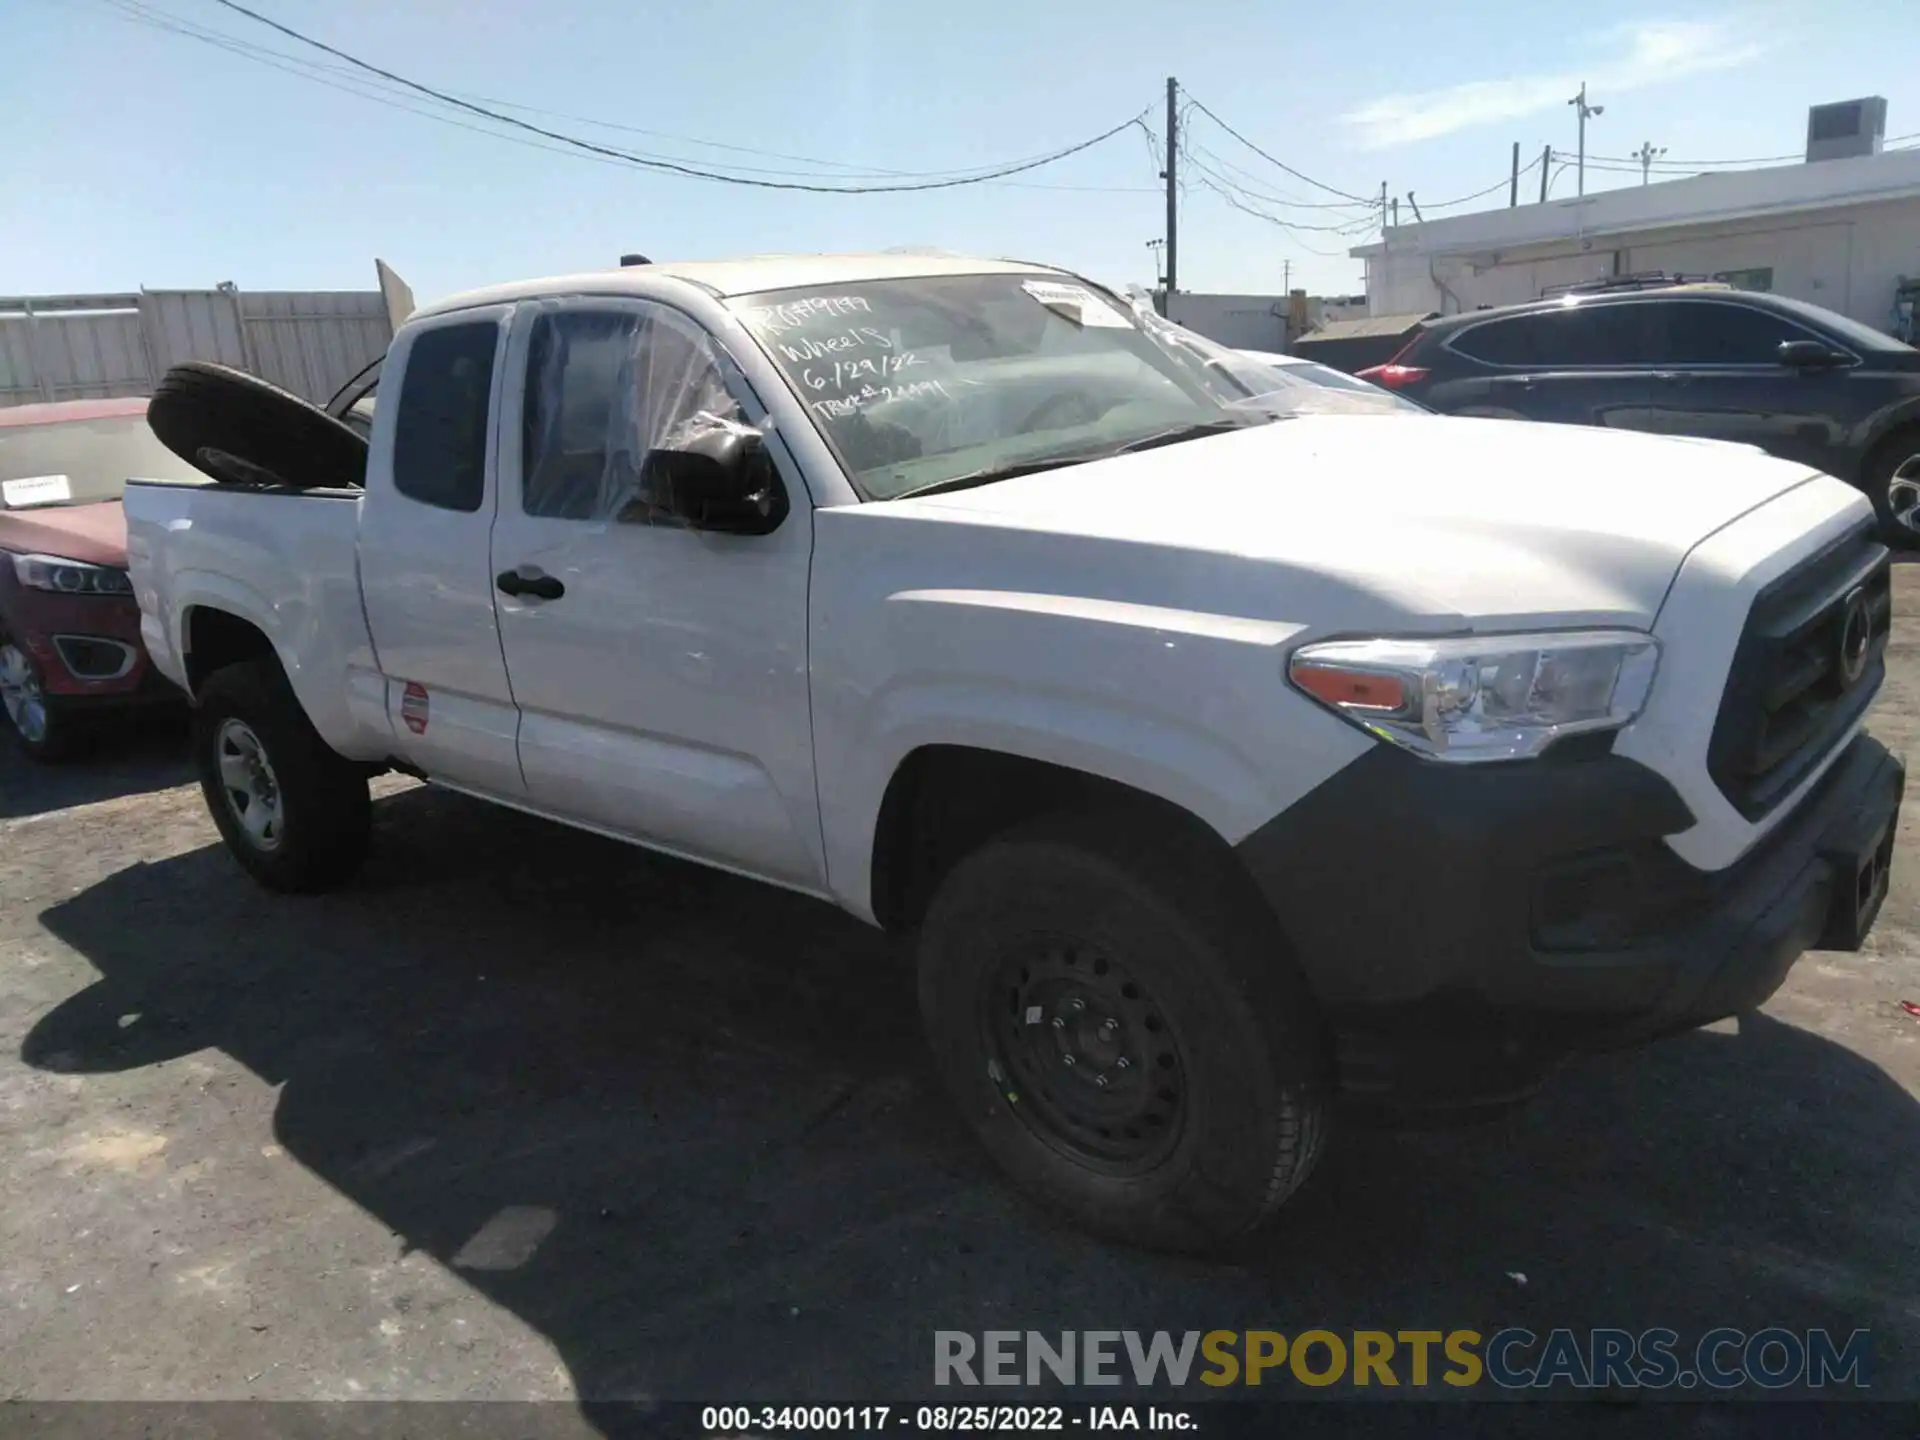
1083	1054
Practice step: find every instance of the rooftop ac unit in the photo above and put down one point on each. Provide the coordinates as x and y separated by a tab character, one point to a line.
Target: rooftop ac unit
1850	127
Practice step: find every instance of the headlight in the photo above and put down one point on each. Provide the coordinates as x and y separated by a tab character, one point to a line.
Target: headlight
1491	697
70	577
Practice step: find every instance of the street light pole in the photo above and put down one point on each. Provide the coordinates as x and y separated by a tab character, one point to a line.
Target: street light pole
1580	101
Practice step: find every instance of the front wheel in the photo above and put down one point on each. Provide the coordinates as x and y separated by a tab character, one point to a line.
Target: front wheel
294	812
1129	1046
39	726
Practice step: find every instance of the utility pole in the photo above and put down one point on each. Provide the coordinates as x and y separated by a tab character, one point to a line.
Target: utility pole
1414	205
1546	168
1646	155
1173	194
1585	110
1383	214
1513	188
1286	284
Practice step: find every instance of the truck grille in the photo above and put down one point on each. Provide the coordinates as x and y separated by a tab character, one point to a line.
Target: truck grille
1809	663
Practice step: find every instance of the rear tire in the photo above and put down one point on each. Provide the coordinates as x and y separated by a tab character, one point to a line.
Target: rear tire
1891	477
241	430
1192	1105
294	812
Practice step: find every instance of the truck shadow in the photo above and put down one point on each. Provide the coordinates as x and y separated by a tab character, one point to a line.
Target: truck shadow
680	1125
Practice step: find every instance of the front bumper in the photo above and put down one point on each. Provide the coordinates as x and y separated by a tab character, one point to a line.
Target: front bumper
87	647
1466	928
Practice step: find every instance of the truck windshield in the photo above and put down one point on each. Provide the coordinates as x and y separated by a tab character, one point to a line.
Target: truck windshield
81	462
925	382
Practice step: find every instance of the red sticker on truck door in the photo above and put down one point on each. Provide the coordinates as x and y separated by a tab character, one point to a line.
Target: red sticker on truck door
414	706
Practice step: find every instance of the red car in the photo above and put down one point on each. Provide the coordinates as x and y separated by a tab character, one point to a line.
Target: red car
69	627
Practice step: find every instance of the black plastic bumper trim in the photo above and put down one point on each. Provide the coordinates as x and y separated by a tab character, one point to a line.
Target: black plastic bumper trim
1411	891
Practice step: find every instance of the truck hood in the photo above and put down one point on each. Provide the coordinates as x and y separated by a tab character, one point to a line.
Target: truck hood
1473	523
92	534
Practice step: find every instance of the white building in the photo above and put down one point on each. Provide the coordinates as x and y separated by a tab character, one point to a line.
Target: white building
1260	322
1842	233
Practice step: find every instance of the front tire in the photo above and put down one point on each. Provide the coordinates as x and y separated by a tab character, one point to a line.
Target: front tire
1127	1038
43	731
294	812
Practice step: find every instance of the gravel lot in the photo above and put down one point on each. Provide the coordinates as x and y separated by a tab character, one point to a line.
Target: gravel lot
526	1114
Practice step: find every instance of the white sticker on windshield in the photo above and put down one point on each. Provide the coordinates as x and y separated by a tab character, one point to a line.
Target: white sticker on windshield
1076	303
35	490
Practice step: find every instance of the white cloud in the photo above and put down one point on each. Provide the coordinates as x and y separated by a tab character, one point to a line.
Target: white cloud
1646	54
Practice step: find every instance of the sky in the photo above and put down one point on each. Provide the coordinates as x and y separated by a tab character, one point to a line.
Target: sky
144	156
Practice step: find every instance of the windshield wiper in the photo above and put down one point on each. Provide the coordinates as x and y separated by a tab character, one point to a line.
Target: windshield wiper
998	472
993	473
1197	431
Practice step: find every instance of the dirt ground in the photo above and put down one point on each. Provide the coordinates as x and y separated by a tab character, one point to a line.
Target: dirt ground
525	1114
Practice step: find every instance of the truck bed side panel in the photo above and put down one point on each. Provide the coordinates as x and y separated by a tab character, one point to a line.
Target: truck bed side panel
283	562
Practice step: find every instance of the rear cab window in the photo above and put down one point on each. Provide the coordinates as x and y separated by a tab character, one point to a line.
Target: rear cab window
442	416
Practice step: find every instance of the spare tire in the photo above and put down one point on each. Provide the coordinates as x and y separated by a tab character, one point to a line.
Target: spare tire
241	430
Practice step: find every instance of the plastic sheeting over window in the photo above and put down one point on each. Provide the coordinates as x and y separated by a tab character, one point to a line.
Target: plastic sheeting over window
603	388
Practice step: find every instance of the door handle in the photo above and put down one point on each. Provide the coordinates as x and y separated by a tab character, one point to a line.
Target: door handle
529	582
1514	382
1673	377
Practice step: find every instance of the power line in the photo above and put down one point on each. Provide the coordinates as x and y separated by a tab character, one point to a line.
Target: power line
1227	187
1671	165
1307	179
340	77
353	84
1238	204
675	167
1698	164
1501	184
1235	196
1224	183
1220	163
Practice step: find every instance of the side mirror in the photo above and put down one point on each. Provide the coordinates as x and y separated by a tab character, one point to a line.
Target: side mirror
720	480
1808	355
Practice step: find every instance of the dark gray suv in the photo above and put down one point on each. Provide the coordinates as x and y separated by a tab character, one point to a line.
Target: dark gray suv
1798	381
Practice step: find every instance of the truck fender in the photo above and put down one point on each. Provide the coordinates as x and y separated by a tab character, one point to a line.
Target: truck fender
1153	753
350	718
198	590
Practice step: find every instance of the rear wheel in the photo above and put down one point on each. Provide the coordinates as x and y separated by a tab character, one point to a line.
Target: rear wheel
1892	474
1131	1046
294	812
39	726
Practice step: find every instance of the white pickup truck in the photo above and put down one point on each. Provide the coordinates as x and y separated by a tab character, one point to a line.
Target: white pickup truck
1235	749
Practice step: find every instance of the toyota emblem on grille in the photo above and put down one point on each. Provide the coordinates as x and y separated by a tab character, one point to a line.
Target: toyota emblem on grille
1856	636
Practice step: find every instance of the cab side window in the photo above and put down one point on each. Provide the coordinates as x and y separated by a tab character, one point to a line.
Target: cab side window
1576	337
603	388
1710	332
440	435
1501	342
